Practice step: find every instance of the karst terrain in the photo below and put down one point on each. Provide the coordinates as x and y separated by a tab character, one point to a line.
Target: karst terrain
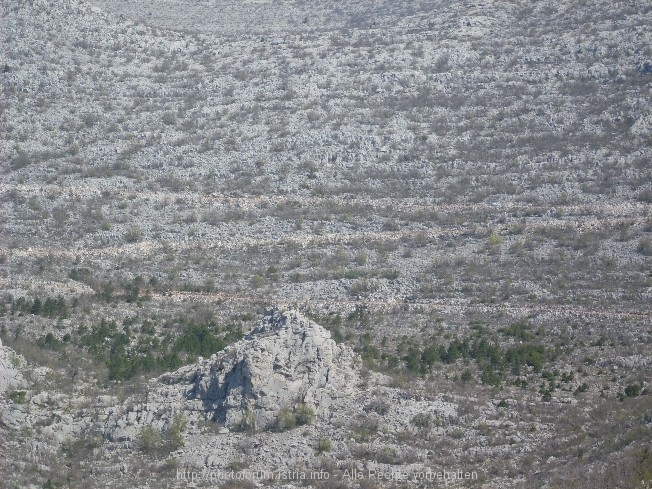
244	243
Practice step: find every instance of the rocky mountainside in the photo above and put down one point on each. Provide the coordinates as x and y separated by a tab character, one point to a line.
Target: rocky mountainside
458	193
242	403
332	164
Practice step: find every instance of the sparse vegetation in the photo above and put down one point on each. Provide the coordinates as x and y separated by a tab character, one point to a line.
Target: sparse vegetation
247	423
324	445
149	439
288	419
18	396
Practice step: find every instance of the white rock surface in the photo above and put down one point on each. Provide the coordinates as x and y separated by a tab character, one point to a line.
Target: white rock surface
10	377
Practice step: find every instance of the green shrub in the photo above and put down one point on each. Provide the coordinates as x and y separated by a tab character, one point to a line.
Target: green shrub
519	331
633	390
495	239
18	397
49	341
169	118
421	420
645	195
286	420
247	423
363	428
490	377
378	406
256	281
21	160
304	414
390	274
324	445
133	234
272	273
149	439
179	424
582	388
387	455
361	287
645	247
567	377
238	464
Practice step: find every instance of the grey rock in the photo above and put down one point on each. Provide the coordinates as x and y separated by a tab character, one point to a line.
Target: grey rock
10	377
287	359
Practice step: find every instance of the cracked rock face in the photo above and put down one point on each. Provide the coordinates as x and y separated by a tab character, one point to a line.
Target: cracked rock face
286	360
9	376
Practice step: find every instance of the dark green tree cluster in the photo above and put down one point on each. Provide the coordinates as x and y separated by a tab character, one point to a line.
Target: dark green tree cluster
51	342
134	290
200	340
51	307
127	354
369	353
519	330
493	360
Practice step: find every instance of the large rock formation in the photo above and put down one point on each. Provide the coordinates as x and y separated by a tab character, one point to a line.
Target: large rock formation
284	361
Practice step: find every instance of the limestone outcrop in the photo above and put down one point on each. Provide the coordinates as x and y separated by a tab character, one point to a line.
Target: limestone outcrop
10	377
285	361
